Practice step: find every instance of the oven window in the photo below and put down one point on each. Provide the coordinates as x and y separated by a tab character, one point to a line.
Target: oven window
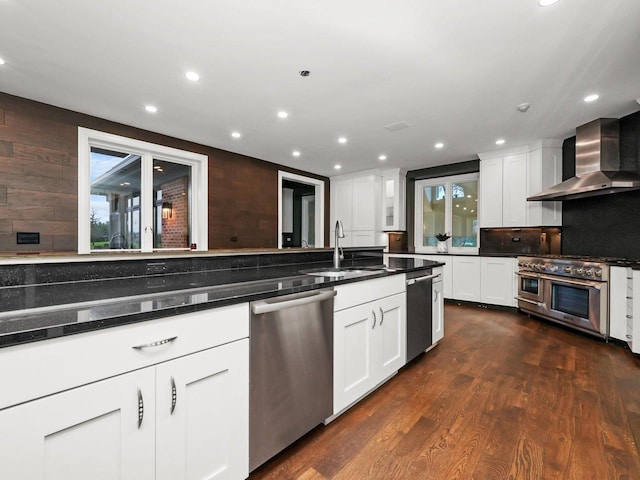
571	300
529	285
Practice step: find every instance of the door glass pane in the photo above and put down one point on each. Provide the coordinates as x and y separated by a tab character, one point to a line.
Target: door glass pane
571	300
171	186
464	216
433	214
115	199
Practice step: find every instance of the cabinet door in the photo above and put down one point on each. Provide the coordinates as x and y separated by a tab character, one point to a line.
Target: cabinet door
390	351
514	200
437	312
466	278
364	205
362	239
93	432
491	192
343	203
203	415
618	298
496	278
352	336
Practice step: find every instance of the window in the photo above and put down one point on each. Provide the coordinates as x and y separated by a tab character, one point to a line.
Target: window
447	205
138	196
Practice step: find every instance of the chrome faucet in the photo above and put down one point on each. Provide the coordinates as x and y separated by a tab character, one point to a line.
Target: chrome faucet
337	251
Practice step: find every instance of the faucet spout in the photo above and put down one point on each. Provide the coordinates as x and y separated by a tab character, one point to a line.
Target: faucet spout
337	251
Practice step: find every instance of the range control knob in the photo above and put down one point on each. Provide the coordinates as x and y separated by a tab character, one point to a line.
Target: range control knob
580	271
598	272
567	269
553	268
589	272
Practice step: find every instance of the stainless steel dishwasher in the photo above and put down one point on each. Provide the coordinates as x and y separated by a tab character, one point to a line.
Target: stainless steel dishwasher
291	370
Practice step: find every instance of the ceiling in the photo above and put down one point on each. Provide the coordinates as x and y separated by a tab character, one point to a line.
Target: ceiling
454	71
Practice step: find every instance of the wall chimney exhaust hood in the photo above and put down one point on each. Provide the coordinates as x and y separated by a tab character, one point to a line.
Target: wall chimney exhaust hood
597	165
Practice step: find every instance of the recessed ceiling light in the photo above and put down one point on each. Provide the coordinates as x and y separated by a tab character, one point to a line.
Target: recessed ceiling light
337	167
151	109
295	153
546	3
591	98
2	62
236	134
500	141
439	145
342	140
282	114
382	157
193	76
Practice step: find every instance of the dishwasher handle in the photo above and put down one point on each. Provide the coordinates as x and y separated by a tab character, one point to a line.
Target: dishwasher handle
411	281
263	306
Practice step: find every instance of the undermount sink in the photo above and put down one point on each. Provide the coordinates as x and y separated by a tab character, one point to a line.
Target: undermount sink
345	272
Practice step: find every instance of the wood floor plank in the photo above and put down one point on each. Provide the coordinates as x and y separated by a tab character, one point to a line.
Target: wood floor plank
503	396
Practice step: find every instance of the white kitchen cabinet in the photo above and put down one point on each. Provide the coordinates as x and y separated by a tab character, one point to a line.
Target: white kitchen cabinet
508	177
544	170
95	432
437	309
466	278
497	281
356	201
369	346
633	320
394	199
490	192
80	419
514	190
620	301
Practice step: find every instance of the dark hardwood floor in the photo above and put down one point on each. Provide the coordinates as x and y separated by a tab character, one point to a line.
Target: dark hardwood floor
503	396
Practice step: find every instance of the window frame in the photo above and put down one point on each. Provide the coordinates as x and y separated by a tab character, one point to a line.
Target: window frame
198	221
448	215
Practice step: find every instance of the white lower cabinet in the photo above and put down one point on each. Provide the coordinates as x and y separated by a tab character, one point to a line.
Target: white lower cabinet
183	419
497	281
437	309
466	278
620	302
369	347
96	431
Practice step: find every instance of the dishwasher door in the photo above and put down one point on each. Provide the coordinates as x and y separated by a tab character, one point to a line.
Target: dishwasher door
419	312
291	370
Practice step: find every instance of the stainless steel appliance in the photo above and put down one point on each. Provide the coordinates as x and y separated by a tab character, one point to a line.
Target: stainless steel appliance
291	370
571	291
419	312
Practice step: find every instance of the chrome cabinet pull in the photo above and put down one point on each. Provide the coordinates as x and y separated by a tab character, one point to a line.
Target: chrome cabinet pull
435	296
140	408
381	316
155	344
174	395
374	319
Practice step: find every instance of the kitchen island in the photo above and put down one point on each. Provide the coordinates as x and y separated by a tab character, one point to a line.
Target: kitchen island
141	367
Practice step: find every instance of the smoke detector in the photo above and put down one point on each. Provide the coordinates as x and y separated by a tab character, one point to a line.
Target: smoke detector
523	107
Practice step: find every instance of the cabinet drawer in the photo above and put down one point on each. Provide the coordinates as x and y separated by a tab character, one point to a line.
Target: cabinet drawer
365	291
37	369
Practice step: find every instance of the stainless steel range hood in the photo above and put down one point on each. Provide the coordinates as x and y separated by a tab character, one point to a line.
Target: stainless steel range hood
597	165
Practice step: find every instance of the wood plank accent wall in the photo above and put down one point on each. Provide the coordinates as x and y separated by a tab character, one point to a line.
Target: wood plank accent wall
39	172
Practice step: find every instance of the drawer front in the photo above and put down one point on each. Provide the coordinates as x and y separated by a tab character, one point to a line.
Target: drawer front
37	369
365	291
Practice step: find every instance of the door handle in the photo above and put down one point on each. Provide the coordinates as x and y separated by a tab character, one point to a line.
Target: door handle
374	319
381	316
174	395
155	344
273	306
140	408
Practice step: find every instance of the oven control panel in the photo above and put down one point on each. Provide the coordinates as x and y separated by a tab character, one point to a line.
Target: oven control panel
566	267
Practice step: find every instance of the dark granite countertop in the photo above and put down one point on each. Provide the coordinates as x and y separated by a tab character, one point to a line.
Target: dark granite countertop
38	311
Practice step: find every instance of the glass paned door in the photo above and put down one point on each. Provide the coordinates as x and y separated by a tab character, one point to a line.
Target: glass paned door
115	199
464	219
433	214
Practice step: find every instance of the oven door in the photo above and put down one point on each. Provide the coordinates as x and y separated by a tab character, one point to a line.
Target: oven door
530	292
580	303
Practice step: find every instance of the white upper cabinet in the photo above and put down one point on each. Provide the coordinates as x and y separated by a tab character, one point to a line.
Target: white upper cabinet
356	201
508	177
394	199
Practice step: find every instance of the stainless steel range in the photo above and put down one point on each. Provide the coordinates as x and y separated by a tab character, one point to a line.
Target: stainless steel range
567	290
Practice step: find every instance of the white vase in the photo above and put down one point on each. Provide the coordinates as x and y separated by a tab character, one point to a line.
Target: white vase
441	247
